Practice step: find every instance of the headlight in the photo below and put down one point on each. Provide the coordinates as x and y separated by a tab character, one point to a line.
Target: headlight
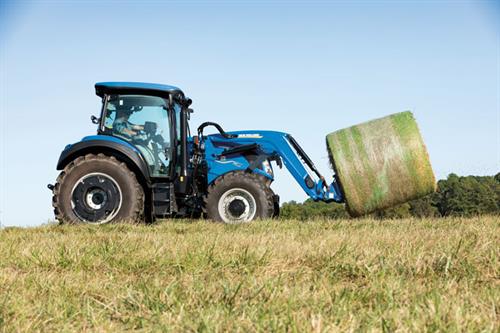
266	166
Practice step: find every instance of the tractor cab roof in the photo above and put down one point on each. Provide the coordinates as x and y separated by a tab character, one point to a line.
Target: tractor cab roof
140	88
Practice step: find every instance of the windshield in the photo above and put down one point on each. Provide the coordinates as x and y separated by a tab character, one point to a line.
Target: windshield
144	122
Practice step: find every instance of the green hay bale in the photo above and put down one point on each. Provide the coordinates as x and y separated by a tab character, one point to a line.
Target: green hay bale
381	163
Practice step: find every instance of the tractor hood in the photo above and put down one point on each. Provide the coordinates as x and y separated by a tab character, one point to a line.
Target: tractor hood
243	150
247	136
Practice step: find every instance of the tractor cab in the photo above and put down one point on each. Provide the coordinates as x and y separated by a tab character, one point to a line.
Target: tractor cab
149	117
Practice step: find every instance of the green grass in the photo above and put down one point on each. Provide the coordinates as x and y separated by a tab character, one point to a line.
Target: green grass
360	275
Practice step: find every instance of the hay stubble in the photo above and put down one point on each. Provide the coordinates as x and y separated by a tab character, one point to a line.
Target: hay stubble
361	275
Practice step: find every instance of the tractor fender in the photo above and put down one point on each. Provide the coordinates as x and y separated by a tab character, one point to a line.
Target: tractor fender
96	144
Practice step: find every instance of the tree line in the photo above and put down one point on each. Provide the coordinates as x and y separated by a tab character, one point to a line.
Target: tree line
455	196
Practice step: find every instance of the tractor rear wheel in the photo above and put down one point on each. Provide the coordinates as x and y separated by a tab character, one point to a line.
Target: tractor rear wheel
239	197
97	189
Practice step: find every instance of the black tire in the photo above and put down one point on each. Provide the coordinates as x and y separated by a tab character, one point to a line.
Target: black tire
247	183
276	205
102	177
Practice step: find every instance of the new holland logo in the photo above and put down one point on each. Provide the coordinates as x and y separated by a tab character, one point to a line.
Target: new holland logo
250	136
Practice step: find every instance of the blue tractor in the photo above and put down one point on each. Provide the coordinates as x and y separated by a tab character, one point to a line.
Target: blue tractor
144	163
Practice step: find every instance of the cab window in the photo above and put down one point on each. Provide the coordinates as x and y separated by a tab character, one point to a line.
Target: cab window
143	121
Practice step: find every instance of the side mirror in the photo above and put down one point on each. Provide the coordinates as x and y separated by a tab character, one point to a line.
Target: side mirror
95	120
188	113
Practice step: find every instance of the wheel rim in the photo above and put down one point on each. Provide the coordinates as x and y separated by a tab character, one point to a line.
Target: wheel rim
96	198
237	206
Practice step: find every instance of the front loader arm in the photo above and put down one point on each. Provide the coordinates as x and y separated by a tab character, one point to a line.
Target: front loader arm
295	160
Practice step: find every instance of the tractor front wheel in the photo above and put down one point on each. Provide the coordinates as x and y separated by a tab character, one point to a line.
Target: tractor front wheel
239	197
97	189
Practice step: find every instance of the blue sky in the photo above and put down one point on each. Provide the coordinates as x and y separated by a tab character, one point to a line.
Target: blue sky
306	68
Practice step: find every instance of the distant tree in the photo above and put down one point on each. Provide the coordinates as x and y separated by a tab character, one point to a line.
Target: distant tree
291	210
426	206
311	209
495	184
467	196
397	212
456	196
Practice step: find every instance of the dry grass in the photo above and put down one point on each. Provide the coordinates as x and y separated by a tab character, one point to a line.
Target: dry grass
361	275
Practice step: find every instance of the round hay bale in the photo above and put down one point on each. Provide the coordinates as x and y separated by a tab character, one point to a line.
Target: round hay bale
381	163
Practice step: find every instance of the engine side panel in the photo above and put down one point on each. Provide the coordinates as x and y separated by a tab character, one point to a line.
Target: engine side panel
220	164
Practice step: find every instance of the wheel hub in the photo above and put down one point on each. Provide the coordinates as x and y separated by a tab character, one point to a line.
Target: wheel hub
96	198
237	205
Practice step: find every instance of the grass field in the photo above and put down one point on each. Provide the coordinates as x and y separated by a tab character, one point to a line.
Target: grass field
361	275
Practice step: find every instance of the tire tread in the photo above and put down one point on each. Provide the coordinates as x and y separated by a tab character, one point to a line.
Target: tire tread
257	179
138	205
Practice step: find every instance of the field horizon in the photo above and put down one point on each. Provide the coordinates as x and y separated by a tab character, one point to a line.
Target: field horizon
281	275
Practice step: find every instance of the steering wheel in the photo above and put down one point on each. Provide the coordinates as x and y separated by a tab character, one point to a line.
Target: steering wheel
141	138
